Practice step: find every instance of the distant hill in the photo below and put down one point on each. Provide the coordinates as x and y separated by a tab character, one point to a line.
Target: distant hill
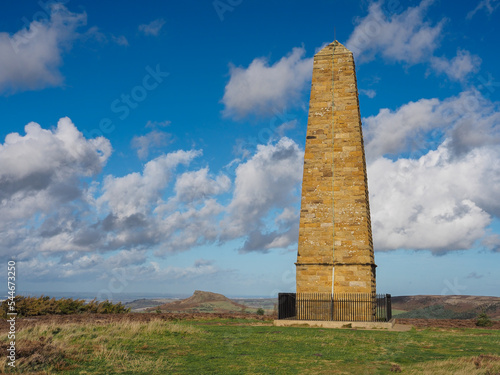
203	302
143	304
445	307
411	307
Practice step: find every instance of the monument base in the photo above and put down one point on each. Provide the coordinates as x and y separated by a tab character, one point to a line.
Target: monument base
334	324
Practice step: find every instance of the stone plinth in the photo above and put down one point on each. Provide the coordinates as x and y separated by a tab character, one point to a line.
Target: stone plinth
340	324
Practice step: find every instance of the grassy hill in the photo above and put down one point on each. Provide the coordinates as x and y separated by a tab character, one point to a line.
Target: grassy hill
204	302
445	307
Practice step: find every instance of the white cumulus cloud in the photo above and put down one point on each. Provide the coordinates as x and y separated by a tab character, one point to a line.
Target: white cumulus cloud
42	168
185	229
468	120
403	37
445	198
407	37
139	193
368	92
30	59
269	180
193	186
458	67
152	140
436	202
264	89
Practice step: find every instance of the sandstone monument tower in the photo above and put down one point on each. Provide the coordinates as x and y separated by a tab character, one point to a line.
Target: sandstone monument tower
335	249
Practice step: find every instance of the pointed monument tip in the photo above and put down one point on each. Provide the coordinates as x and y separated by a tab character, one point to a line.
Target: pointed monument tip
336	43
336	47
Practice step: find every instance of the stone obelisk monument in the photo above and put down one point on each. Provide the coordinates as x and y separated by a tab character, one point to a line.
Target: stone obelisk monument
335	250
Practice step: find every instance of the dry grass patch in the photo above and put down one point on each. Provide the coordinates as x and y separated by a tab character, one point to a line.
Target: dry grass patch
482	364
56	347
37	354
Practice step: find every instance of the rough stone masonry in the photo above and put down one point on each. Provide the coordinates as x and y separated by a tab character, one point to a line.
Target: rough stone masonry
335	250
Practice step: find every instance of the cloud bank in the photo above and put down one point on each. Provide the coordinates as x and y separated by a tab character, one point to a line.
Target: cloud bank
55	210
442	199
407	37
440	194
264	89
30	59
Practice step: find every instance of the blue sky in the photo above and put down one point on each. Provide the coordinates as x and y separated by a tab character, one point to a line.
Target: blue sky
158	146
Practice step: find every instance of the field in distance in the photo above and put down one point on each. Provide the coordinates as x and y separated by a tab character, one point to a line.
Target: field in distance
409	307
445	307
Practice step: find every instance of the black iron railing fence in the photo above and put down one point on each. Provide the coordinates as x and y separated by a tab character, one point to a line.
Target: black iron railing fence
335	307
286	305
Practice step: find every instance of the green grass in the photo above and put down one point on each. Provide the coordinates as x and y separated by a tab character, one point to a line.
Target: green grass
216	306
250	347
397	312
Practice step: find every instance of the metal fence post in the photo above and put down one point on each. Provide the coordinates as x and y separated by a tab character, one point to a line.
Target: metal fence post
388	306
